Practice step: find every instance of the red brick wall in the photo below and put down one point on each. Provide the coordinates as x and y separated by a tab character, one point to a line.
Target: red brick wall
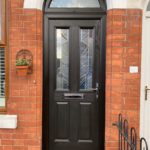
25	93
122	88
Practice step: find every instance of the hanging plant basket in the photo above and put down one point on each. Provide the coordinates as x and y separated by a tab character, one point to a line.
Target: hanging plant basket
24	63
22	70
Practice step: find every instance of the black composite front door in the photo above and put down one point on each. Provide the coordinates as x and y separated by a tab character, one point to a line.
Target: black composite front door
74	118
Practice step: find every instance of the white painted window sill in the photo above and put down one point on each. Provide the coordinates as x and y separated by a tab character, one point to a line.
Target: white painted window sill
8	121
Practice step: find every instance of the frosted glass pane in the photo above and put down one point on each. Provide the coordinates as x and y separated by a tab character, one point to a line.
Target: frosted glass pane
62	58
2	102
148	7
86	58
75	4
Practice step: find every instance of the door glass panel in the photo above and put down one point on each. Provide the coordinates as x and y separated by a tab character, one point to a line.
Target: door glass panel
86	58
75	4
62	59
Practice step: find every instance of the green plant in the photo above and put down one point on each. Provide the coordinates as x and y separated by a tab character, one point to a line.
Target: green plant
22	62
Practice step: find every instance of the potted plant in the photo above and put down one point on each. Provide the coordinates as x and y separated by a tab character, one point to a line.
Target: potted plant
22	66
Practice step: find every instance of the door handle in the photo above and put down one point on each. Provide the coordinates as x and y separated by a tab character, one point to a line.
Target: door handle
96	90
146	90
93	89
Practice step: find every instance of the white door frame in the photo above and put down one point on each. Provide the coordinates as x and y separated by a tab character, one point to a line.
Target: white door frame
146	15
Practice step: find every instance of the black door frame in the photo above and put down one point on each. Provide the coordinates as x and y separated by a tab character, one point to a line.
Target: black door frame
71	13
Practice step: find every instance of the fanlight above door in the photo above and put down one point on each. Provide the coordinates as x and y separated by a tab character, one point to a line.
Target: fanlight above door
74	4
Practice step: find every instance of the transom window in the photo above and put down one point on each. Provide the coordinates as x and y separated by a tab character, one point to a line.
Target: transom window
3	46
74	4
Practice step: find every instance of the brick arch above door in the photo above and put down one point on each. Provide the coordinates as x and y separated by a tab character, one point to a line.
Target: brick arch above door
111	4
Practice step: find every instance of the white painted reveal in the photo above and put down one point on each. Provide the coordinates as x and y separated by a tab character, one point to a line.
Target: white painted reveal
125	4
145	80
33	4
8	121
111	4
